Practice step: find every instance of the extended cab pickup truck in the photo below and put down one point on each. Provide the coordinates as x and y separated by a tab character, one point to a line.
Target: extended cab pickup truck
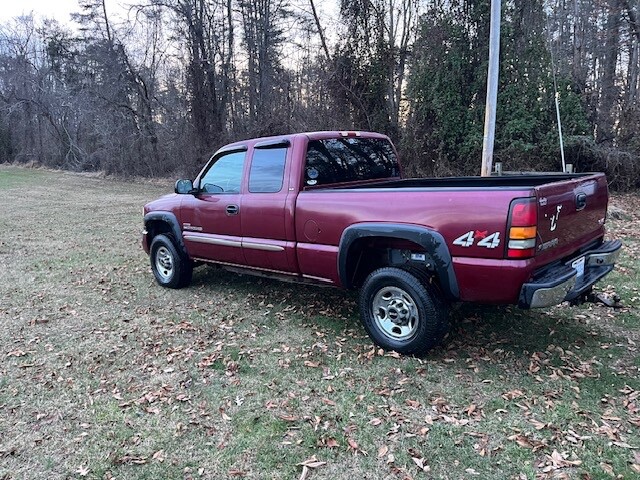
332	208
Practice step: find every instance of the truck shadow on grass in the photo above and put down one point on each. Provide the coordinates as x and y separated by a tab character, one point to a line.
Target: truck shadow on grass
475	328
522	332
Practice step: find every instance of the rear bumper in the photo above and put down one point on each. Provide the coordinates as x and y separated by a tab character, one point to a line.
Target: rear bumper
562	282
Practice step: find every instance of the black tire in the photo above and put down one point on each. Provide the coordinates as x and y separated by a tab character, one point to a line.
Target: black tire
439	301
402	313
171	268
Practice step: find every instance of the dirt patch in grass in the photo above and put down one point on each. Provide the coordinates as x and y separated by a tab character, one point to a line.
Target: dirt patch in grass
106	375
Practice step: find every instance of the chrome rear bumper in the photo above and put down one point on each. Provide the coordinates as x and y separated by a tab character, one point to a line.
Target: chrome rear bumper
561	282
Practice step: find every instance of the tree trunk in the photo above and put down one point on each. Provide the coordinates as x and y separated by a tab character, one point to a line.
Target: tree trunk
608	104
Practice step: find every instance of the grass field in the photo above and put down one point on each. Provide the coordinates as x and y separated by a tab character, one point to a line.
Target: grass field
103	374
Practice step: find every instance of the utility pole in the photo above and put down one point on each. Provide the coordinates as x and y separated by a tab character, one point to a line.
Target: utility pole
492	90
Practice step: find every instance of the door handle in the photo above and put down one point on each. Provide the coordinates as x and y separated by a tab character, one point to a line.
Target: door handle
581	201
232	209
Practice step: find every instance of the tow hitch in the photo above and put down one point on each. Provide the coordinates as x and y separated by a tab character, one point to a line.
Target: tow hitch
613	300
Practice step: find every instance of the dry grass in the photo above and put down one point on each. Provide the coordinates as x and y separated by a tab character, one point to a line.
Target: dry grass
106	375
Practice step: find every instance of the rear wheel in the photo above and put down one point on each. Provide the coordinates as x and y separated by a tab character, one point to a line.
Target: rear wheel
400	312
171	269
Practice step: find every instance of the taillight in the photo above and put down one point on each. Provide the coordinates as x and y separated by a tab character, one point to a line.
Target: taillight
523	221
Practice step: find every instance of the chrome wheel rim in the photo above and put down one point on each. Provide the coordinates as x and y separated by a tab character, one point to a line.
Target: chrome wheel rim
395	313
164	263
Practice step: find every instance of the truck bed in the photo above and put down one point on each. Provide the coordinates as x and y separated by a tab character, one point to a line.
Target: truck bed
517	181
458	208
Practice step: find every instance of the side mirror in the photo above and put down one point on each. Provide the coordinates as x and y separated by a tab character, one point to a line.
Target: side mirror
184	187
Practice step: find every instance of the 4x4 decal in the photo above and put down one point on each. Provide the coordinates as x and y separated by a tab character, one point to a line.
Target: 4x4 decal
486	240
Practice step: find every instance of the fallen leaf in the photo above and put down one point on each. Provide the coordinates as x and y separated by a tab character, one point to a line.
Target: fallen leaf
159	456
305	473
382	451
420	462
82	471
560	461
527	442
414	404
288	418
608	469
510	395
352	444
537	424
130	459
312	462
18	353
332	443
624	445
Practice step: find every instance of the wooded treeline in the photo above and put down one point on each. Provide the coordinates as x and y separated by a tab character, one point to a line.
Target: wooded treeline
156	91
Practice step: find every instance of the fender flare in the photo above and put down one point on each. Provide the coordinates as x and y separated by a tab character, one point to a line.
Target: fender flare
171	220
432	242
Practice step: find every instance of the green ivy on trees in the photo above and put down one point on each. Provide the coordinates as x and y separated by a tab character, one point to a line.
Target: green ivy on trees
447	88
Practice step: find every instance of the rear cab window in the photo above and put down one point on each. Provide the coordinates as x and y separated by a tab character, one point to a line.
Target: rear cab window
340	160
267	169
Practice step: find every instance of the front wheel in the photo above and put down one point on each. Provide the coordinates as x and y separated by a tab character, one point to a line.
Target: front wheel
401	313
171	269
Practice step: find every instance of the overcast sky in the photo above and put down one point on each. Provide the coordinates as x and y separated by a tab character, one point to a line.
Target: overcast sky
58	9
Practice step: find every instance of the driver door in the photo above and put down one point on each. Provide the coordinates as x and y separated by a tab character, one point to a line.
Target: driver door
211	217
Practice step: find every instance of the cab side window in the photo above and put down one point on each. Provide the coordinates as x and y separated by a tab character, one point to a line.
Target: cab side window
224	175
338	160
267	170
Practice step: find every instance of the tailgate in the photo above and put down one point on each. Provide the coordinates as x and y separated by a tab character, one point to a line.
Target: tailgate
571	214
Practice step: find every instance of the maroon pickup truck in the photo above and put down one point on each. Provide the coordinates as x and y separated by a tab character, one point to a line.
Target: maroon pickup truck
331	208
